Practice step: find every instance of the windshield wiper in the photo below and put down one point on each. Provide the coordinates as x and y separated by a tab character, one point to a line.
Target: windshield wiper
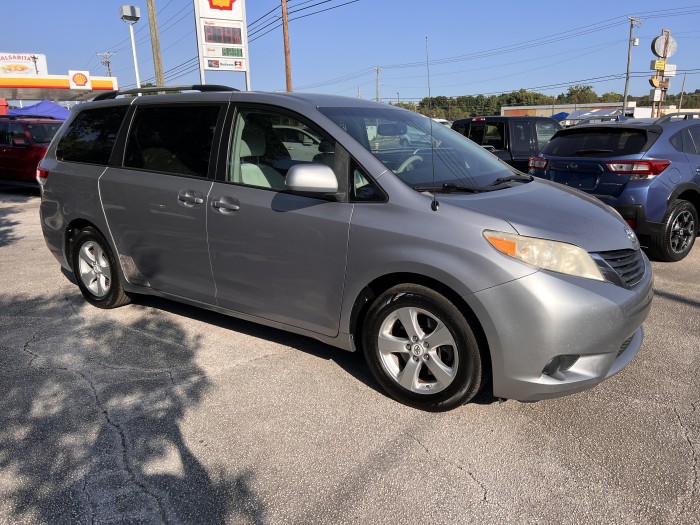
512	178
449	187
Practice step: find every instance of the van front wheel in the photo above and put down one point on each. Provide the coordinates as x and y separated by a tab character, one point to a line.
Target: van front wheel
421	349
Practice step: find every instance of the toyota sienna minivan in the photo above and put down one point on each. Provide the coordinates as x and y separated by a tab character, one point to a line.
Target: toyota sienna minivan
448	269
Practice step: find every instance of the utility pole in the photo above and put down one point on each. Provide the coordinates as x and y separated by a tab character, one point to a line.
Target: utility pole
377	69
34	59
155	42
398	98
680	103
105	61
634	22
287	57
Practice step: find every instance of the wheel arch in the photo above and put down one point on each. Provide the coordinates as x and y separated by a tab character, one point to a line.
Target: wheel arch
687	192
75	226
380	284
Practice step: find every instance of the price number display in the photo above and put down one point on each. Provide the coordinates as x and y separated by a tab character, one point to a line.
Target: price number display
222	35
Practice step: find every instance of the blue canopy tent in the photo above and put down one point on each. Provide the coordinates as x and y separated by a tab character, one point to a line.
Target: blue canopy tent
560	116
45	108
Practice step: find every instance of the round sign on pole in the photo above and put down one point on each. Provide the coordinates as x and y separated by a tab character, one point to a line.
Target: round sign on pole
658	44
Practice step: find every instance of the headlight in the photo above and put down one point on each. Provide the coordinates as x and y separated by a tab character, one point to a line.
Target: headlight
549	255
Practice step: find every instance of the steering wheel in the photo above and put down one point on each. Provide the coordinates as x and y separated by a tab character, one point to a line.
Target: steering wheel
408	162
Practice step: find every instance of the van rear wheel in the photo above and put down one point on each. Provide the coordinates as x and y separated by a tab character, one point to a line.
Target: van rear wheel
96	271
421	349
680	230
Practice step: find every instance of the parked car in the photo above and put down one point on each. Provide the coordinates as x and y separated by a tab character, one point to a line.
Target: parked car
648	170
23	142
443	264
512	139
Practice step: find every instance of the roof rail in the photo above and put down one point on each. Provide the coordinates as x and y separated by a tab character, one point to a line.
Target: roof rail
16	117
682	115
108	95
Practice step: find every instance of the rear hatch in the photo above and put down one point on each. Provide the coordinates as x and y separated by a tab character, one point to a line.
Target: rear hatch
599	159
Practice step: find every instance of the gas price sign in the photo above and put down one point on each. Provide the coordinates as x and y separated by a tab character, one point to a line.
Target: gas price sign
222	35
223	41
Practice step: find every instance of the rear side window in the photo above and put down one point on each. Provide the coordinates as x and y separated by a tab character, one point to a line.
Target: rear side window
90	137
598	143
43	133
545	131
490	134
172	139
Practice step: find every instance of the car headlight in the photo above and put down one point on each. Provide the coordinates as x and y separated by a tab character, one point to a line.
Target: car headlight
549	255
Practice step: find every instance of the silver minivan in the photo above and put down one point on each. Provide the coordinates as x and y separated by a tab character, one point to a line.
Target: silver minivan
450	270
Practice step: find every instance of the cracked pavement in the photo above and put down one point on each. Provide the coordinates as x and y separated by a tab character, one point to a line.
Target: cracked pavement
158	412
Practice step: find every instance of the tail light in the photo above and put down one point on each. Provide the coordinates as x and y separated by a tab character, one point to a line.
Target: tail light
537	163
41	176
638	169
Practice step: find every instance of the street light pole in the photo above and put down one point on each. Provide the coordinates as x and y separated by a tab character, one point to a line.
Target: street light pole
131	14
633	22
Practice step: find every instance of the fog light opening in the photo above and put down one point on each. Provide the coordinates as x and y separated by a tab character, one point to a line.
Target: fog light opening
559	364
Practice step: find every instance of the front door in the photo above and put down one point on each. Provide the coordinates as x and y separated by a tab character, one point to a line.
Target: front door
275	255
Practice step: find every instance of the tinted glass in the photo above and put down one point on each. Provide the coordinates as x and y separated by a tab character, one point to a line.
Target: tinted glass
521	135
172	139
597	143
447	157
695	135
677	141
489	134
3	133
44	132
90	137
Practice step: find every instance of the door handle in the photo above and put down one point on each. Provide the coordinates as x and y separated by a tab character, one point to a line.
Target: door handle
190	198
225	205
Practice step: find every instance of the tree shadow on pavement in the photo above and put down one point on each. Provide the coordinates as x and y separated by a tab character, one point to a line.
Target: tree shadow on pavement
89	421
7	226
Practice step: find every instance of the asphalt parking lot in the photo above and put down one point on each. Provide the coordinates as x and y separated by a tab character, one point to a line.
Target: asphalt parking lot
162	413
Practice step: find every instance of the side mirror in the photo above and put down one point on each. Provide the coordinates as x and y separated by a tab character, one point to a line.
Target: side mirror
311	178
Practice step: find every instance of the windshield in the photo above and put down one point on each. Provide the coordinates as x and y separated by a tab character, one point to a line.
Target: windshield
43	133
421	152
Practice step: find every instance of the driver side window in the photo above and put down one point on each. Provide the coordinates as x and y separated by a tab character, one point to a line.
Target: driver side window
266	144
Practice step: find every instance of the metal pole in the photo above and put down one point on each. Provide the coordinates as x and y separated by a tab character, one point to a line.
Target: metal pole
287	57
155	43
133	49
629	62
680	104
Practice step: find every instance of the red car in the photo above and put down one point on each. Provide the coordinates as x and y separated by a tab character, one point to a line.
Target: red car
23	142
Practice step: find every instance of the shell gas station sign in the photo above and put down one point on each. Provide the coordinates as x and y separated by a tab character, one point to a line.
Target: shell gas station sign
221	36
24	76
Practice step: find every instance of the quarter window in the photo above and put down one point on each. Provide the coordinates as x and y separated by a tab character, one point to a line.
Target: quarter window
90	137
172	139
695	135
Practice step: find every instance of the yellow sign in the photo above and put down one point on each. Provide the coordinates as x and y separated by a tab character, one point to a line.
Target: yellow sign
659	65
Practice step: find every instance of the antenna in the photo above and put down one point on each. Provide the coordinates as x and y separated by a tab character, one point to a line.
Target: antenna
435	204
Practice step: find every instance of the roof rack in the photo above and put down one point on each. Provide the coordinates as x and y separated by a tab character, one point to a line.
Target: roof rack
682	115
108	95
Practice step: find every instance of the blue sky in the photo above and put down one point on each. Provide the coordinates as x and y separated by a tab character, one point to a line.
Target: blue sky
474	47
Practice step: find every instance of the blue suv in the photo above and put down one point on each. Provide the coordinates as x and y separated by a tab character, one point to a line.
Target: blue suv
648	170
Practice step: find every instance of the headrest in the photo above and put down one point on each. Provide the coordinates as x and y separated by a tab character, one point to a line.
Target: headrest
252	141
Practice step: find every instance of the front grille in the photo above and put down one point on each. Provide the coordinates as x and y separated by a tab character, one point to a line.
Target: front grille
627	264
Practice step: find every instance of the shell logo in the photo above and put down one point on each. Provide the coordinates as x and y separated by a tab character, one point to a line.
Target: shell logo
224	5
79	79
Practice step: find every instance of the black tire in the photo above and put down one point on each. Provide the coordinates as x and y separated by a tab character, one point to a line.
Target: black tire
96	270
435	319
680	228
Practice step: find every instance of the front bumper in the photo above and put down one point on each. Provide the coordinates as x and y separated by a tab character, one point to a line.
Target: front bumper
532	320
